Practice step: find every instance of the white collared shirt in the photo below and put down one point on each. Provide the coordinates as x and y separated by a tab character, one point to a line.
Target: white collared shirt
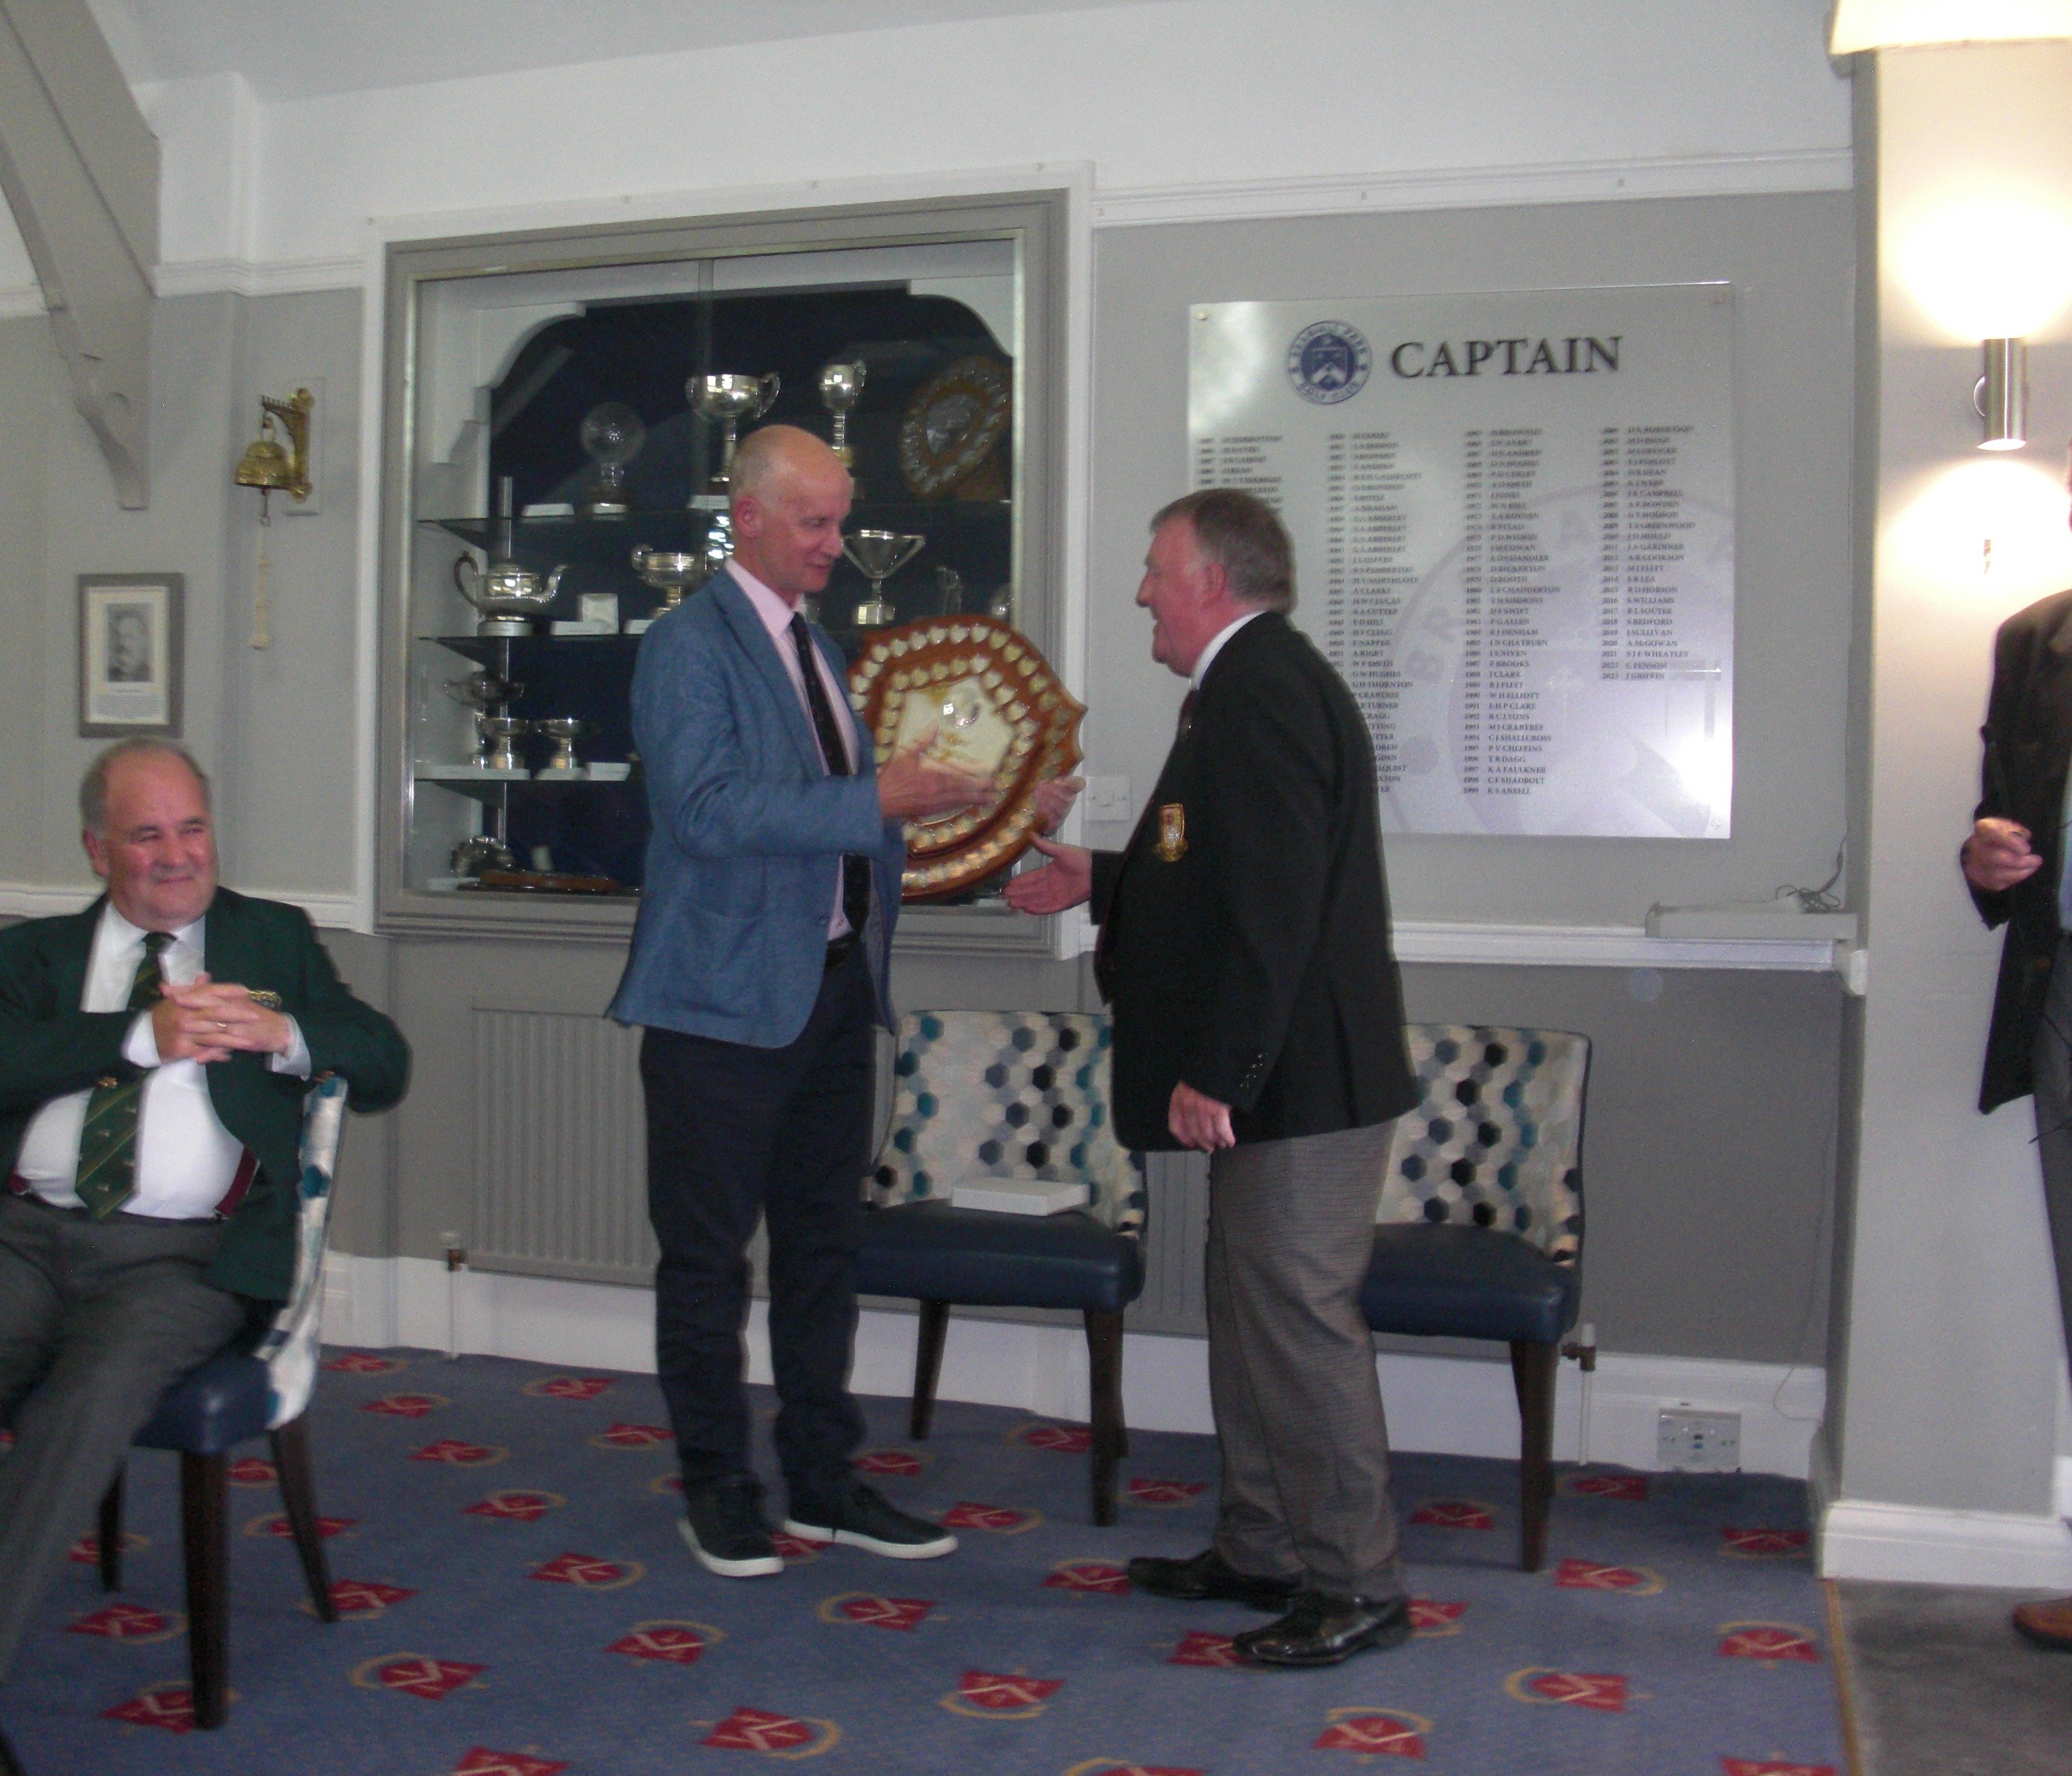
776	615
186	1159
1216	646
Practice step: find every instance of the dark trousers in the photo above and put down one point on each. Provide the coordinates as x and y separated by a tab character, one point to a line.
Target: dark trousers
2051	1059
97	1320
735	1132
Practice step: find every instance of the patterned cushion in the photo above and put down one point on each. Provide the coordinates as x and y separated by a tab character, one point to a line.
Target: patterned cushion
1005	1094
1495	1142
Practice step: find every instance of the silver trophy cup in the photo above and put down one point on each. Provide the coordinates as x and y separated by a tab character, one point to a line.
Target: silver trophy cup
671	572
878	555
730	399
841	388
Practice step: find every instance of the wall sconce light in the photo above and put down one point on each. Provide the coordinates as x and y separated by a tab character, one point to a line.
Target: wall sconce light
2001	395
270	465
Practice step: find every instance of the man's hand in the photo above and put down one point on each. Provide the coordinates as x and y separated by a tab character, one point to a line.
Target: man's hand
1199	1121
205	1021
1066	881
913	786
1054	799
1998	855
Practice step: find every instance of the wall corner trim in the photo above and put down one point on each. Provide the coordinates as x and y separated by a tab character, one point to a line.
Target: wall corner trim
1590	947
1466	187
252	278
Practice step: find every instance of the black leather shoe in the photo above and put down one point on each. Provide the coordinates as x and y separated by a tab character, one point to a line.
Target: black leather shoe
1208	1575
1321	1629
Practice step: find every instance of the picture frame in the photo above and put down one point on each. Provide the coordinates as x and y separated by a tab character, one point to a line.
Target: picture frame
131	654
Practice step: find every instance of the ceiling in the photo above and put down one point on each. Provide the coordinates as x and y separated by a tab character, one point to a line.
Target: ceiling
294	49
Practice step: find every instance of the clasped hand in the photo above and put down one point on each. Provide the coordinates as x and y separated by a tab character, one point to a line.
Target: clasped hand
1998	854
209	1020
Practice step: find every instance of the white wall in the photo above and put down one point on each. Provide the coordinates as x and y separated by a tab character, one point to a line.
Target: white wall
1195	92
1949	1391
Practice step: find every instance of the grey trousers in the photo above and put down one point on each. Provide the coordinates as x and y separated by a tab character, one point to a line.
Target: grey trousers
2051	1060
1291	1363
97	1320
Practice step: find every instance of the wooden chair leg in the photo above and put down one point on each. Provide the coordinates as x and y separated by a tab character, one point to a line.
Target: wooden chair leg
108	1553
928	1366
205	1513
1104	1385
291	1457
1532	1367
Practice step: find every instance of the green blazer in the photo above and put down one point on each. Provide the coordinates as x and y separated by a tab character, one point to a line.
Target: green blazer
49	1047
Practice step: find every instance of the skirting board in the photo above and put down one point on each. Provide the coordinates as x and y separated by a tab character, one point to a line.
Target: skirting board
1867	1539
1451	1405
1860	1538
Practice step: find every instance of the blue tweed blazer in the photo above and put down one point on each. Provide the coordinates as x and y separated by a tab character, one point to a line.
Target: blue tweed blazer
747	827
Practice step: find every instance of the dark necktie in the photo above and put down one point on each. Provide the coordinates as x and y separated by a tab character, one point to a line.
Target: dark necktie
1105	938
856	871
107	1176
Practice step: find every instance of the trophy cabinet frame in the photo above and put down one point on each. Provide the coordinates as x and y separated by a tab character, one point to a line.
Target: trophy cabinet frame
617	256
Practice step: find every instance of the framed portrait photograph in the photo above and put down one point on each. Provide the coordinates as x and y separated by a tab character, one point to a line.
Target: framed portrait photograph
129	654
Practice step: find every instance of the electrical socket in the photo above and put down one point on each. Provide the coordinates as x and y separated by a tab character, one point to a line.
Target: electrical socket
1697	1442
1106	798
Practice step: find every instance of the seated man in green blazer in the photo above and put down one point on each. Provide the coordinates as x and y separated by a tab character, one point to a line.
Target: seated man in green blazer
154	1051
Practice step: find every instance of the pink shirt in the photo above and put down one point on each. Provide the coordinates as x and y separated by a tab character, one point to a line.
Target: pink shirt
776	612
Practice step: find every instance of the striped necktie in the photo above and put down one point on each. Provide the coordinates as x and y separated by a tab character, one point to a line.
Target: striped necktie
108	1139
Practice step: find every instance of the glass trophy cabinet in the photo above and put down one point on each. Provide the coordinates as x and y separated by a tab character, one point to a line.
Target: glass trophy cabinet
562	409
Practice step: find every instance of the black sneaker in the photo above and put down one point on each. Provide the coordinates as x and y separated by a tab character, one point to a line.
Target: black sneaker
863	1518
723	1523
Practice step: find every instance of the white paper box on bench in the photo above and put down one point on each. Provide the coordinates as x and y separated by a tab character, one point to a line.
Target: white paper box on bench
1019	1196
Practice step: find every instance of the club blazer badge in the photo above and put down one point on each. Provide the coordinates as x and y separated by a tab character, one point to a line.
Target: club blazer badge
1172	832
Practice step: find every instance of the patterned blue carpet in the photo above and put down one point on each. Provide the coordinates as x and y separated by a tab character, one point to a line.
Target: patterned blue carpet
517	1603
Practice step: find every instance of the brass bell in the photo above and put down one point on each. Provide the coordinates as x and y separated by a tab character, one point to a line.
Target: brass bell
264	463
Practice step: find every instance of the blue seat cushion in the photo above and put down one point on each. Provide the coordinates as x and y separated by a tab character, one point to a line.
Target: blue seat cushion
931	1252
1434	1279
218	1406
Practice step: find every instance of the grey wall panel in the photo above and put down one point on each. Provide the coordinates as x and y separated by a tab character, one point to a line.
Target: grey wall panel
1790	261
560	1174
1708	1146
36	699
287	789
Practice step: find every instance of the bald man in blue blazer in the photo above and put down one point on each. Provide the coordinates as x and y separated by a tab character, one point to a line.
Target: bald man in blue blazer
758	970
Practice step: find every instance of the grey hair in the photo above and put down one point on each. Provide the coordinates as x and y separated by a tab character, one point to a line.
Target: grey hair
93	786
1245	537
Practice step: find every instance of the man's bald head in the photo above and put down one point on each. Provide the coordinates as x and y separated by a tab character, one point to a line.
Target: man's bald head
777	453
791	494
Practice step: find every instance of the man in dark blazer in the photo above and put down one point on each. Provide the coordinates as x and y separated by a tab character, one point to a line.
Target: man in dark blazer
1244	947
154	1051
2014	861
758	969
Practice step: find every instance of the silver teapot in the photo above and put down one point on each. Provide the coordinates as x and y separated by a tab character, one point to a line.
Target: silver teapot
508	596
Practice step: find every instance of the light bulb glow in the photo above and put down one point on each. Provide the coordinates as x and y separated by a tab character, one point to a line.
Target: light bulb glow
1990	267
1995	525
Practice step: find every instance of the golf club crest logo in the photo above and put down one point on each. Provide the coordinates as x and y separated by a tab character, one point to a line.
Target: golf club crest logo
1328	362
